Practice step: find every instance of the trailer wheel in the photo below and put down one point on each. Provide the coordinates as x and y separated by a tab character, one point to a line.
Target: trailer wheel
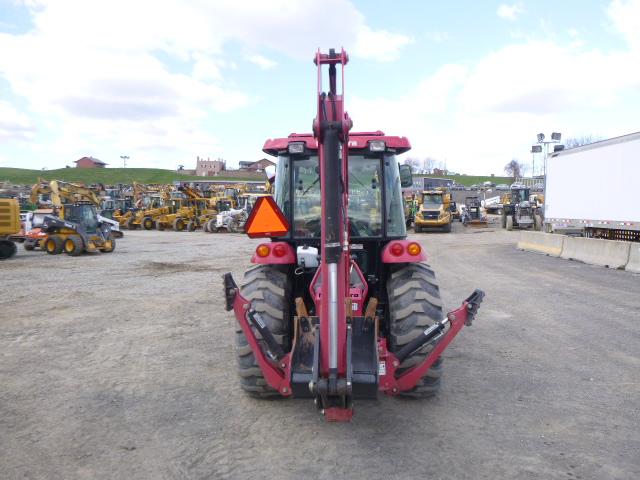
53	245
509	223
147	223
73	245
414	305
7	249
268	289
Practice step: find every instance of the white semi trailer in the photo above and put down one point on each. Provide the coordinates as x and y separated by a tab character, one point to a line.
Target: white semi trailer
595	189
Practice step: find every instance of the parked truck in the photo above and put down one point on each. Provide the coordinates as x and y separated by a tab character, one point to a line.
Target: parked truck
592	189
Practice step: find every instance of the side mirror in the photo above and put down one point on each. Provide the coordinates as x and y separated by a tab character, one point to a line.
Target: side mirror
406	178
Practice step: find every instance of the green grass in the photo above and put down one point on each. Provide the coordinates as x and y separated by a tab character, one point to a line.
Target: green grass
109	176
467	180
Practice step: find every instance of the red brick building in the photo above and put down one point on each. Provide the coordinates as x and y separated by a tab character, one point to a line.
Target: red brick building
89	162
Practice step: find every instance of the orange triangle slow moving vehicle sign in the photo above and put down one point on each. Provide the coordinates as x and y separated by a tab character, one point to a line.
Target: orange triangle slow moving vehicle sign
266	220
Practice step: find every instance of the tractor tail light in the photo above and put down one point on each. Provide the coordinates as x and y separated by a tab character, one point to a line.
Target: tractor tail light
263	250
396	249
414	249
280	251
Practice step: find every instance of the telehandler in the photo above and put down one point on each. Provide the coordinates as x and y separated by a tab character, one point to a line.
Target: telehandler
340	305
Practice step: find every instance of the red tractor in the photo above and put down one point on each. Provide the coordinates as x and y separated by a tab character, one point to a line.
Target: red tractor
340	305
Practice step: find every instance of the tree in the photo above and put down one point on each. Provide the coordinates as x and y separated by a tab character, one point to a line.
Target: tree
513	168
180	167
428	164
414	163
573	142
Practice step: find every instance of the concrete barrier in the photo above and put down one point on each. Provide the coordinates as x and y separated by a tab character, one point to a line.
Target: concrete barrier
633	265
606	253
547	243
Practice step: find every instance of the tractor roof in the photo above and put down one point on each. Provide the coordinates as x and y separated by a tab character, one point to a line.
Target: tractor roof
357	140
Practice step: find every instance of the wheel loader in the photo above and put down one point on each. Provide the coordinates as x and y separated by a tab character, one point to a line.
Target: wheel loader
339	305
9	225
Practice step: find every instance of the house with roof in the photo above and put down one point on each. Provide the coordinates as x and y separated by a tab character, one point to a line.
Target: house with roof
89	162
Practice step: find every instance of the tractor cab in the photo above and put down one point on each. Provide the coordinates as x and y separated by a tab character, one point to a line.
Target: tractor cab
374	189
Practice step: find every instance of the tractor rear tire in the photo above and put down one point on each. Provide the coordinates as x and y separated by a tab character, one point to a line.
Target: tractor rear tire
509	224
109	246
147	223
73	245
268	289
53	245
7	249
178	225
414	305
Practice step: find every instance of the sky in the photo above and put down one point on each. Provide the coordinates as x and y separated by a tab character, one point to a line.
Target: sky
469	82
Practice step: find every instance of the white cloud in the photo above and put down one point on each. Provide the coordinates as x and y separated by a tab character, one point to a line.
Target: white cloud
438	37
143	75
14	126
477	116
625	17
262	62
379	45
510	12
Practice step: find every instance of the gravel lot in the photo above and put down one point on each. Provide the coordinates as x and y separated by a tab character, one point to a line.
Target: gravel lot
121	366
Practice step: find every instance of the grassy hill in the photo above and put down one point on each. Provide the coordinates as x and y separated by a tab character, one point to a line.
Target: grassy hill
111	176
467	180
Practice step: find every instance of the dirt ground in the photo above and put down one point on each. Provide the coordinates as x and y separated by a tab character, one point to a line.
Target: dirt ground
121	366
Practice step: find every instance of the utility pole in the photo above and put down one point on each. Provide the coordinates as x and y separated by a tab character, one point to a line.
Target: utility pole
124	160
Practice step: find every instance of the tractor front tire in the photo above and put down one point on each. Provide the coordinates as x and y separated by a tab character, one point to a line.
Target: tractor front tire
537	222
73	245
159	225
268	289
7	249
178	225
504	220
191	226
147	223
414	305
109	246
53	245
211	225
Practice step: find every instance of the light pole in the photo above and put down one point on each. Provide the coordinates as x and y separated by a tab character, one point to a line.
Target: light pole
555	138
124	160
